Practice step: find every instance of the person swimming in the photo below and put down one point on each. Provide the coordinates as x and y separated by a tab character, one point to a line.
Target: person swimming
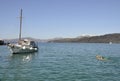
100	57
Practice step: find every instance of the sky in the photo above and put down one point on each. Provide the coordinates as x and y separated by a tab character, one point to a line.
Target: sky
45	19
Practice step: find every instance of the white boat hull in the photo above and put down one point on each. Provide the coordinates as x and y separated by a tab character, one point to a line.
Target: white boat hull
18	49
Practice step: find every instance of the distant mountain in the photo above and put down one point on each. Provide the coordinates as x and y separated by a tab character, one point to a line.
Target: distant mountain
114	38
16	40
82	36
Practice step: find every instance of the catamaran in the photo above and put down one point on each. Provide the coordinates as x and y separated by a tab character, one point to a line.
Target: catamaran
23	45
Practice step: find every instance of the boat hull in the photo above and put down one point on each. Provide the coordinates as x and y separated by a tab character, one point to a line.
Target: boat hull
23	49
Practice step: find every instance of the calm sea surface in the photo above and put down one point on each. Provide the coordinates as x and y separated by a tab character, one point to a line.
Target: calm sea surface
62	62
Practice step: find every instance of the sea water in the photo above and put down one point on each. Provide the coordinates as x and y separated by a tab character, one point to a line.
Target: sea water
62	62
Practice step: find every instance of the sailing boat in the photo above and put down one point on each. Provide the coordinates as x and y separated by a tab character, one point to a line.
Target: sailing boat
23	45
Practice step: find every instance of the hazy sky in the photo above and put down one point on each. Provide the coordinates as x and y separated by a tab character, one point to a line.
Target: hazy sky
59	18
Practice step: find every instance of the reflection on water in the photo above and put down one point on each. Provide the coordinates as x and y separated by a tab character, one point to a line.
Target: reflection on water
27	57
15	66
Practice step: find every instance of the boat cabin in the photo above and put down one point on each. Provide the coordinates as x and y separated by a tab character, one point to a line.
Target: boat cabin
27	42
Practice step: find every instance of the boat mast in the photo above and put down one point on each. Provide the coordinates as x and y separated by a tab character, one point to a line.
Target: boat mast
20	24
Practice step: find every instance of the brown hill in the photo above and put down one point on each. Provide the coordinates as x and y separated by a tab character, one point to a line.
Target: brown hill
114	38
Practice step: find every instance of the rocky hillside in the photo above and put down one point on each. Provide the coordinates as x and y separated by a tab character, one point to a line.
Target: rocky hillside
114	38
